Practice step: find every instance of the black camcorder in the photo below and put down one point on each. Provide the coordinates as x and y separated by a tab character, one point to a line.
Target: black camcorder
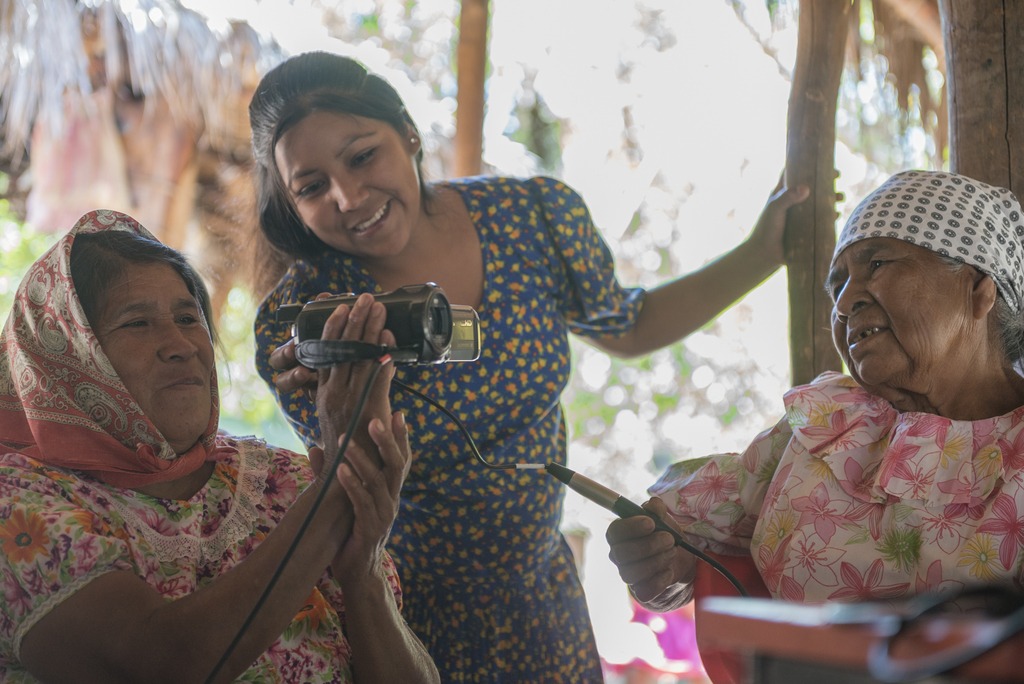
427	328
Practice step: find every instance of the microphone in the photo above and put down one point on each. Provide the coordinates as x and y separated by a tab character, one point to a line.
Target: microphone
608	498
624	508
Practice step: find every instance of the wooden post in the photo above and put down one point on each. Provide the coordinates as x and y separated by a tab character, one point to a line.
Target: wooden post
810	160
472	74
985	89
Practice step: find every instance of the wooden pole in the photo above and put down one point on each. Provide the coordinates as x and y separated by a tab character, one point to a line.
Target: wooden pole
471	66
985	89
810	160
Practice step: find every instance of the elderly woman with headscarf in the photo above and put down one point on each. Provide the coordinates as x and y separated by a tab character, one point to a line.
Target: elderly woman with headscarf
137	543
904	476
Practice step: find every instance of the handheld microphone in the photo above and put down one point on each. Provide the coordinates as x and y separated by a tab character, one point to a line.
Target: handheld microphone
624	508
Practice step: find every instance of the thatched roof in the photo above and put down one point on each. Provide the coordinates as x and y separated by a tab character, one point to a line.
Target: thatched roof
63	50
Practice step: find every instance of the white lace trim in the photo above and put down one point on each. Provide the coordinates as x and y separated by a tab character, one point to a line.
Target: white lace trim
254	459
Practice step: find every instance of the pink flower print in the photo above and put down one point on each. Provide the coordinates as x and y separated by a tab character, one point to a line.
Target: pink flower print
929	425
17	600
777	488
958	490
838	435
873	513
791	590
932	580
897	466
771	564
866	587
918	479
711	487
161	524
1013	450
854	396
280	490
858	483
817	509
946	526
809	561
1006	523
85	551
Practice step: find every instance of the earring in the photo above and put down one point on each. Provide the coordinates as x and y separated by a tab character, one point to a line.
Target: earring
413	140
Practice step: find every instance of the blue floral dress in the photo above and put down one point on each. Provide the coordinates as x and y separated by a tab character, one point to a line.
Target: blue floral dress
489	583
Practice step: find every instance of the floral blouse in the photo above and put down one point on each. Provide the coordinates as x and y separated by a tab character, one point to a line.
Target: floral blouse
59	531
847	499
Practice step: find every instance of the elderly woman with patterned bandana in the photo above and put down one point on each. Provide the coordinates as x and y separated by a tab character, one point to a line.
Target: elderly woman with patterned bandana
905	476
137	543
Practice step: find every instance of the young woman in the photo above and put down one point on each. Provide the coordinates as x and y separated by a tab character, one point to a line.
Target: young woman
490	585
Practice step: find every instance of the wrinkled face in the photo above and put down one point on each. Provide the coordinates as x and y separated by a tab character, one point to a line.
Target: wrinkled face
155	336
902	318
353	182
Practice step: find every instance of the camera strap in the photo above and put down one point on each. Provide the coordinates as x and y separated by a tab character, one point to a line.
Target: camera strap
325	353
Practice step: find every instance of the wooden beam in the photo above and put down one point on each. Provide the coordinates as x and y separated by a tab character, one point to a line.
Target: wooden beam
985	89
810	160
471	66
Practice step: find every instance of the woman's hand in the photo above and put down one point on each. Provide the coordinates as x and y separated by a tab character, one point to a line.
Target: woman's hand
377	457
769	231
373	484
292	376
340	387
648	559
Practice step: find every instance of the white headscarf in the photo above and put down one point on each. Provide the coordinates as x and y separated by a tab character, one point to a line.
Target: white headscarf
956	216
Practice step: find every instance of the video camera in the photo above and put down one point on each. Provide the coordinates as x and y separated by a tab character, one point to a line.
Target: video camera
427	328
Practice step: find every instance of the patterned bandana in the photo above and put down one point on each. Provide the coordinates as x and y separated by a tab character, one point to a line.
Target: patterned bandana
61	401
978	224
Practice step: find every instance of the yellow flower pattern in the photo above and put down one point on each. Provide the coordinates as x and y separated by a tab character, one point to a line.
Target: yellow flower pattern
488	582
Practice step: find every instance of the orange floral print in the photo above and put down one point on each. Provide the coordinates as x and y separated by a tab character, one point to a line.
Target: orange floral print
23	536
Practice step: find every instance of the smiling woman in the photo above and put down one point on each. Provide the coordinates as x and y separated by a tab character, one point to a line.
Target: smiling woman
342	198
129	519
145	311
909	475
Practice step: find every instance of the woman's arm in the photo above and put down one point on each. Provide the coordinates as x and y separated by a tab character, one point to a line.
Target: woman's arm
125	631
674	310
384	648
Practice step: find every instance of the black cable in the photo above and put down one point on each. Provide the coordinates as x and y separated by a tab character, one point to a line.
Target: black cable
464	431
338	457
597	493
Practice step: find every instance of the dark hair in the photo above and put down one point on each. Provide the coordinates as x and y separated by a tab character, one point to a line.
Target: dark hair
98	259
306	83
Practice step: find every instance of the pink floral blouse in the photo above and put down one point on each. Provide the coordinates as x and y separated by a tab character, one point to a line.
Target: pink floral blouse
847	499
58	531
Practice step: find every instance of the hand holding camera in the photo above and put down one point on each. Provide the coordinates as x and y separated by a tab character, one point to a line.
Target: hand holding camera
426	327
339	387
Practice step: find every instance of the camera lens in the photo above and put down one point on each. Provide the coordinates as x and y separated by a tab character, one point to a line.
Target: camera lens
437	323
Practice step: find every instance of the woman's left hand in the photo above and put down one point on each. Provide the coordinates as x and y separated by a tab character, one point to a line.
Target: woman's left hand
373	484
647	558
769	231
